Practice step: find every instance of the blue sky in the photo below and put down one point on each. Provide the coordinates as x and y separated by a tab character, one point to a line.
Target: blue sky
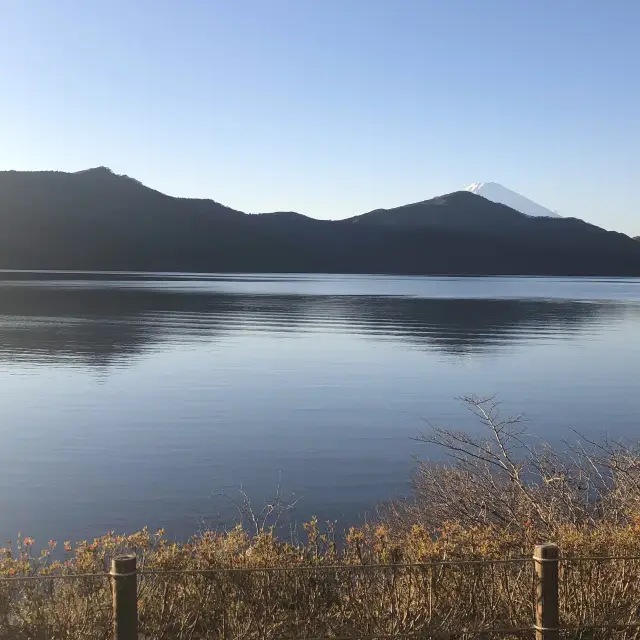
331	107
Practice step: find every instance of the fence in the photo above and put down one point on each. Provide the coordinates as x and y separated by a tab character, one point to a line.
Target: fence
546	597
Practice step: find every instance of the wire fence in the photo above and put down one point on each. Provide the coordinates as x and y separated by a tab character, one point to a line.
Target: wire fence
546	597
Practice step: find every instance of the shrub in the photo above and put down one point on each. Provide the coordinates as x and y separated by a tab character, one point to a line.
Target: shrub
495	500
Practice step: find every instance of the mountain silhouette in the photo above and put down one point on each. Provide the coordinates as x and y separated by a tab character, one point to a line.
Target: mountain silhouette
97	220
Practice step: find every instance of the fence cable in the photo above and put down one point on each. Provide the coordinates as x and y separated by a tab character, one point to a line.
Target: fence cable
346	568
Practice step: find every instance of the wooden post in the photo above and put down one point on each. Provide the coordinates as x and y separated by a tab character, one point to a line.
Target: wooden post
547	610
125	598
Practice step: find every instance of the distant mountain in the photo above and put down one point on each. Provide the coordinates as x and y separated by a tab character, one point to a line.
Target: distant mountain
497	193
97	220
459	211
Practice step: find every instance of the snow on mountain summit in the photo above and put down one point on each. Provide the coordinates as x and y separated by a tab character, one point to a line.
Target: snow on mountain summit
497	193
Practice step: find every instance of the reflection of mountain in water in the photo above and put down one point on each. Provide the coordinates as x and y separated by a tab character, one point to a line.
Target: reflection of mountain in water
459	326
101	325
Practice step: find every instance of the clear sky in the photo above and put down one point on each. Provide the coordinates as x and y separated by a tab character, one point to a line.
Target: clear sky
332	107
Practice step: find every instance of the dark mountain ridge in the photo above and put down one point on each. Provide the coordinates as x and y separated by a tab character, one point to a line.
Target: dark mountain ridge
98	220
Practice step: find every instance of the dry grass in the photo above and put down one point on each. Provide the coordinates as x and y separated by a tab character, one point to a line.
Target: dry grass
497	500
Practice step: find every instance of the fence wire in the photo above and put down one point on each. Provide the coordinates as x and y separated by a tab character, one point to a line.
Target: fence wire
433	600
453	600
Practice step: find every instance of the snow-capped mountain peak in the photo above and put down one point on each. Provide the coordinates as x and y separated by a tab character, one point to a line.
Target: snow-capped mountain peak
497	193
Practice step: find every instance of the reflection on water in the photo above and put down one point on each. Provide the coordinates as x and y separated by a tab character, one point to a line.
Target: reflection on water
127	400
99	325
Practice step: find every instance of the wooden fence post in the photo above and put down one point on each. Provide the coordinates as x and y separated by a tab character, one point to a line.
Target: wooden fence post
125	598
547	609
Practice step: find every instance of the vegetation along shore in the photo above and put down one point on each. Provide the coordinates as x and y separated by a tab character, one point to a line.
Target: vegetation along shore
434	565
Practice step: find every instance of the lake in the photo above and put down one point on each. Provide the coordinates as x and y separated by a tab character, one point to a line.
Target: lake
136	399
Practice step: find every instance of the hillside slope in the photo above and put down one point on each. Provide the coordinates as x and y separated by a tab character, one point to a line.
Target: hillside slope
96	220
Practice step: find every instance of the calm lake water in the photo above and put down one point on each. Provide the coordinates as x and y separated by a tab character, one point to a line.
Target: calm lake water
129	399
